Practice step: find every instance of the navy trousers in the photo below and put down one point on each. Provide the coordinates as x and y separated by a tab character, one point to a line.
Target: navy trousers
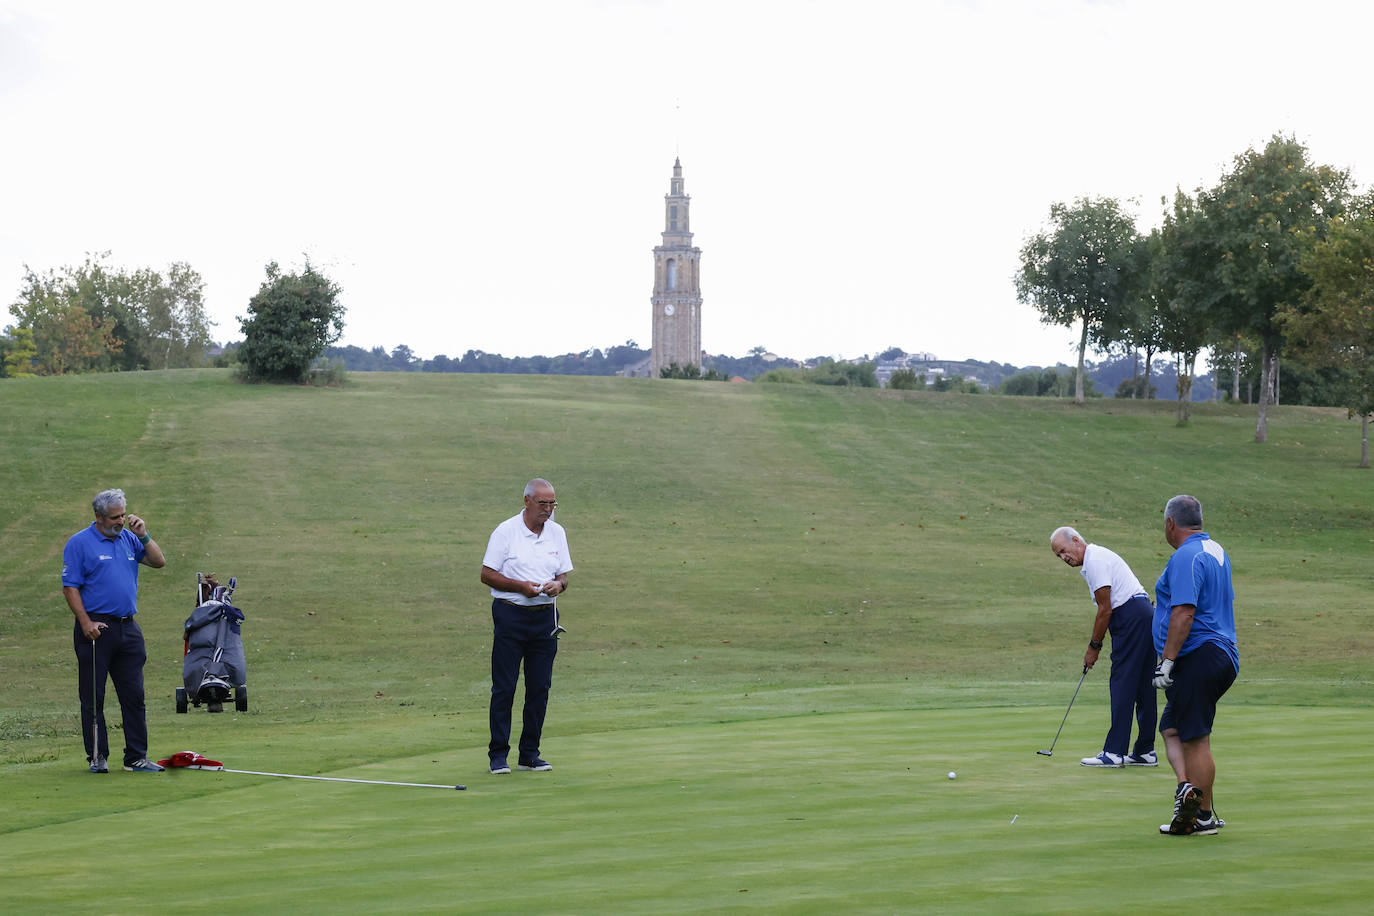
521	636
1130	684
118	654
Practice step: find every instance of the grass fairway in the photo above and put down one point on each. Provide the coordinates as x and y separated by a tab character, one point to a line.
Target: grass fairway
795	609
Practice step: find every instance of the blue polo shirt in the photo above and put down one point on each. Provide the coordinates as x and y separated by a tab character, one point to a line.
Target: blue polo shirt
1199	573
104	569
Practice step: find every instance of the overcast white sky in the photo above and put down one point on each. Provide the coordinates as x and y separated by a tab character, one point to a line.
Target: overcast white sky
491	175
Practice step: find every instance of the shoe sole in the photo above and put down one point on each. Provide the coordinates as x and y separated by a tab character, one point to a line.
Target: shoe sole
501	771
1185	822
1101	766
1130	763
543	769
135	770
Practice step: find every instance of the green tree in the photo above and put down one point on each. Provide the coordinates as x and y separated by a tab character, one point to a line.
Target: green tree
17	353
1267	211
906	380
1075	272
176	327
1187	291
1333	324
290	321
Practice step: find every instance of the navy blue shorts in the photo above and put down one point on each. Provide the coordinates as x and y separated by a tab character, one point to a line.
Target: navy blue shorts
1200	679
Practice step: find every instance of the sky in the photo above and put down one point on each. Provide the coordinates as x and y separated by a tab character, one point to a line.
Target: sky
490	176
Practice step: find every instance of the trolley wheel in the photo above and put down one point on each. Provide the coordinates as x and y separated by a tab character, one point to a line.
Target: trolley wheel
241	698
181	699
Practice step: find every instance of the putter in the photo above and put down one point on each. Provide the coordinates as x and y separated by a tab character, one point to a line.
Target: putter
95	713
556	628
1050	752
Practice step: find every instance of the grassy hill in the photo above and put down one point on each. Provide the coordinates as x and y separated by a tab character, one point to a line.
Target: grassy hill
778	589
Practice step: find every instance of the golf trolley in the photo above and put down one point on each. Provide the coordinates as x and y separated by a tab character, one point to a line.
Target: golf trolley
213	665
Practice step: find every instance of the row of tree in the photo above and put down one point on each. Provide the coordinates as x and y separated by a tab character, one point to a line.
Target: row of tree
1276	258
98	317
403	359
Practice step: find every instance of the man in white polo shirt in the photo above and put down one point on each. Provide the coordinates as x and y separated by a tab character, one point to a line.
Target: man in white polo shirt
1124	610
526	566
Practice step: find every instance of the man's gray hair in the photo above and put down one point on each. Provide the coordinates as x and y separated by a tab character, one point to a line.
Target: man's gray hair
105	500
1186	511
536	482
1064	532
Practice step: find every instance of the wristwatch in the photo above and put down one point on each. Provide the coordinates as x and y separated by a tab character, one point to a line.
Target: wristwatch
1094	644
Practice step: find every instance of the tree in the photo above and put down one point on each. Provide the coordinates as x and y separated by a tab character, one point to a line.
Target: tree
1333	324
1187	291
177	328
1267	211
906	380
1074	273
403	359
17	353
290	321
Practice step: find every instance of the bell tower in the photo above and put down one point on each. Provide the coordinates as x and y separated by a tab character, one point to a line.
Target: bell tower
677	284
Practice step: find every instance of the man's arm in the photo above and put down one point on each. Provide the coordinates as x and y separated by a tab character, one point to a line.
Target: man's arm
88	626
1103	597
152	552
493	579
1180	625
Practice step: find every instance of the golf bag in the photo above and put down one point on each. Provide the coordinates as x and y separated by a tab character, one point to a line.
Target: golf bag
213	665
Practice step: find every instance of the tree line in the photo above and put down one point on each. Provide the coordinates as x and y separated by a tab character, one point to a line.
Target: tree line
1275	260
96	317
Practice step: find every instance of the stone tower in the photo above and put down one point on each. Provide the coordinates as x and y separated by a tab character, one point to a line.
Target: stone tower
677	285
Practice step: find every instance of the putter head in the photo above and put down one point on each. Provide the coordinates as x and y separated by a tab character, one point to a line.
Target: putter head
1046	753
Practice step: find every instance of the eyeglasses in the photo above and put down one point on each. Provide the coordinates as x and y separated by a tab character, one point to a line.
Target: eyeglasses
546	503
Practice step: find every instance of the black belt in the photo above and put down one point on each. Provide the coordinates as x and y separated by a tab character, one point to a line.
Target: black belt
527	607
109	618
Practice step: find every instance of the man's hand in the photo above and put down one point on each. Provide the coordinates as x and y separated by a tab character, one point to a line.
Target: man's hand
1090	657
1163	670
92	629
551	588
137	525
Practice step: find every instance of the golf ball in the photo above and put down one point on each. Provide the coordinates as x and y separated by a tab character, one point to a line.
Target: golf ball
951	774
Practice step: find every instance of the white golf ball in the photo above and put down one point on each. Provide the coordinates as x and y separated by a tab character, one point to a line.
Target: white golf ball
951	774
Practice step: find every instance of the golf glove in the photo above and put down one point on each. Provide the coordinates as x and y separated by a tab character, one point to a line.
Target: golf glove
1163	678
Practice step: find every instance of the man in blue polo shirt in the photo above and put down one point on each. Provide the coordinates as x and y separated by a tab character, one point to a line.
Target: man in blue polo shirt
100	582
1195	635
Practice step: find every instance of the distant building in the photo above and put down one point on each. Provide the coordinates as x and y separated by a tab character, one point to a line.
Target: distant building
676	300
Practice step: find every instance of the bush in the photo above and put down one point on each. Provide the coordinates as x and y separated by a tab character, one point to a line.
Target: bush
329	373
291	320
906	380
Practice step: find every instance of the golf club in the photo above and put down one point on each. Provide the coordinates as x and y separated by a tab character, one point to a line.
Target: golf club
1050	752
95	713
556	628
190	760
371	782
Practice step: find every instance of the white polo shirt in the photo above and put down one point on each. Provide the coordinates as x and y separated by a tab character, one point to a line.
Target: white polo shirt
516	552
1103	567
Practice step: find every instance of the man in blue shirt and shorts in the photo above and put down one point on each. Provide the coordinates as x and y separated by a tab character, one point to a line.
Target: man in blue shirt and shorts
100	582
1195	635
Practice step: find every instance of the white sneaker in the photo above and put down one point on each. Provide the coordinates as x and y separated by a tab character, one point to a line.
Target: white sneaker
1148	759
1103	759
